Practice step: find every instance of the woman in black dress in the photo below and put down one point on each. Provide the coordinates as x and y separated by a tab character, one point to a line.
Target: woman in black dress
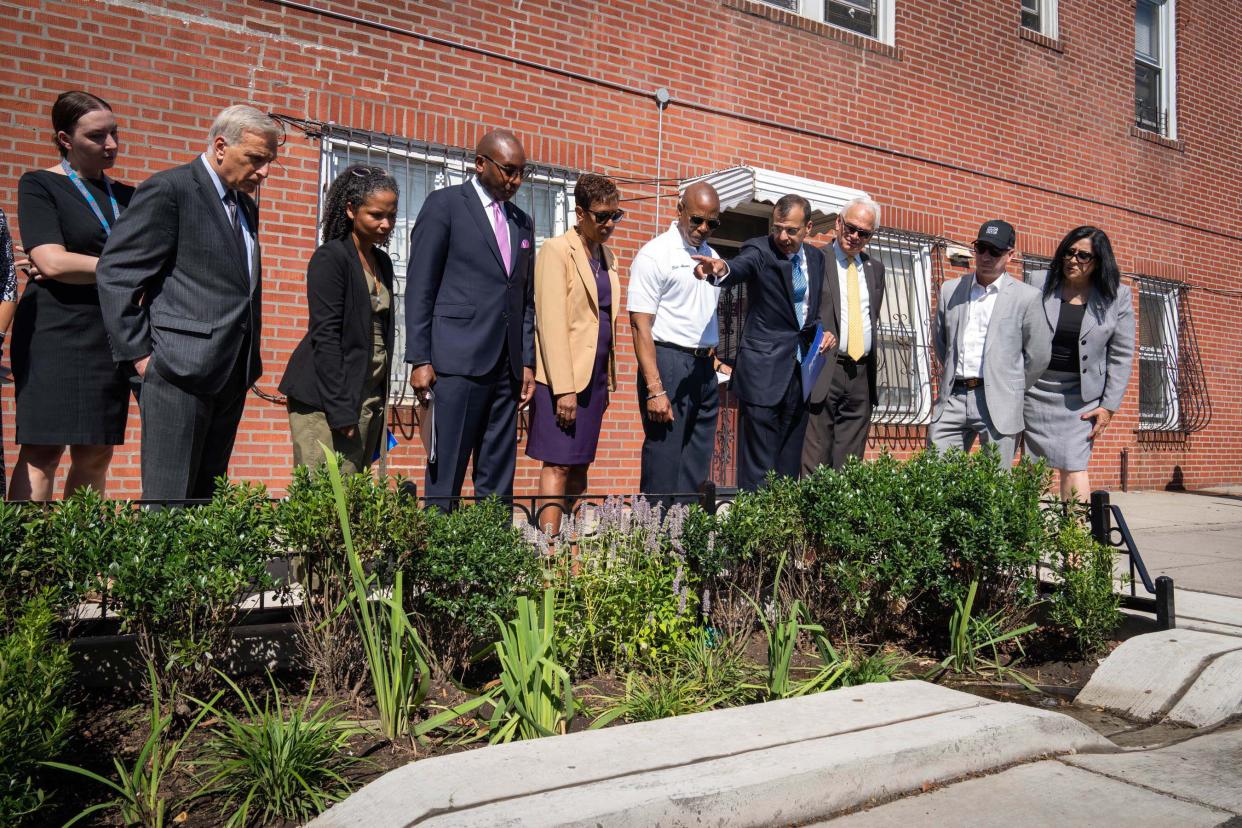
69	391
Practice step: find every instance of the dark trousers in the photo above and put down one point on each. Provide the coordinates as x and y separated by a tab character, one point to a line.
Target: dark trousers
476	419
772	436
677	456
838	426
187	437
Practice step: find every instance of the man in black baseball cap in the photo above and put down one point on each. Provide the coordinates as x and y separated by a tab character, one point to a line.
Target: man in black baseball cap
993	342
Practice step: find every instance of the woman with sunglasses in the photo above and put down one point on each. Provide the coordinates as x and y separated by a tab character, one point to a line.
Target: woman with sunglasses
69	390
337	379
1091	317
576	289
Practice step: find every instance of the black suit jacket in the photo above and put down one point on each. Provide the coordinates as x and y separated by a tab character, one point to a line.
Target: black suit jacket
771	334
173	283
331	366
830	316
461	307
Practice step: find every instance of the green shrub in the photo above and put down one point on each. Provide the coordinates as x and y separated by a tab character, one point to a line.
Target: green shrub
34	720
59	551
1085	605
898	544
475	564
178	575
626	590
279	762
387	530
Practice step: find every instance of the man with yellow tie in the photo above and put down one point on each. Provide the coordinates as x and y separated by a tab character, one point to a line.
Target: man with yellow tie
840	403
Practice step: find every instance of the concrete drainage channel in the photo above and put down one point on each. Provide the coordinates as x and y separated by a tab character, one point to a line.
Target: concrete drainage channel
967	760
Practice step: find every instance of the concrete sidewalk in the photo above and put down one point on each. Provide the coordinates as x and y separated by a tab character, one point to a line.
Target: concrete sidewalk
1193	537
1196	782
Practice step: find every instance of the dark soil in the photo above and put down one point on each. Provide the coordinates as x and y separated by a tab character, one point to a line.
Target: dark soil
111	724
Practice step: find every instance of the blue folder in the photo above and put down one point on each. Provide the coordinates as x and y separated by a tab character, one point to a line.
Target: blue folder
812	363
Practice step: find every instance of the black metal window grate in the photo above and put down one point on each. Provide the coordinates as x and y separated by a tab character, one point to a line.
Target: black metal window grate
1173	393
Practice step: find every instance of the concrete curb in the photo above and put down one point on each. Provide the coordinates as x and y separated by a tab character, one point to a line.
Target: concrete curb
1148	675
789	761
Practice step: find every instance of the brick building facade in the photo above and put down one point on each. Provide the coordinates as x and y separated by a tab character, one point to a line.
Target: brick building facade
947	113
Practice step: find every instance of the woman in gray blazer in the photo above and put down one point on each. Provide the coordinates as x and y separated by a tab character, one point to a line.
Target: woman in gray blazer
1091	316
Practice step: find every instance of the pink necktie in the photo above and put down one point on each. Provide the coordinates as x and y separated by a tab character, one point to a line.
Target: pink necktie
501	226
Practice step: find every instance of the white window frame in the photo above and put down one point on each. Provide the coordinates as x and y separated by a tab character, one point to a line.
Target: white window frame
1166	19
1049	25
455	167
1163	298
885	16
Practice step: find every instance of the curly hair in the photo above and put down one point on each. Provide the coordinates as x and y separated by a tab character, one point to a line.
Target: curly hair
592	189
351	189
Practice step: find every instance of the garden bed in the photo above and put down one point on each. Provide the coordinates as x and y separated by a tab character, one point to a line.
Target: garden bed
927	568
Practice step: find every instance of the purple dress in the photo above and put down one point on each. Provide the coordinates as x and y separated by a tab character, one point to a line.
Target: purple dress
547	441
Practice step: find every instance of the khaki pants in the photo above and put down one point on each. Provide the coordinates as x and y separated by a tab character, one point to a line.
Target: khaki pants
309	428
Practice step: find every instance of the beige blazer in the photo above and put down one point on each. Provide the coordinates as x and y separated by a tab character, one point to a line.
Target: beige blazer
567	315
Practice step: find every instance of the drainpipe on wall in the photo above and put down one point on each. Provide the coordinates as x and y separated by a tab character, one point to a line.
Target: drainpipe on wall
1125	469
662	98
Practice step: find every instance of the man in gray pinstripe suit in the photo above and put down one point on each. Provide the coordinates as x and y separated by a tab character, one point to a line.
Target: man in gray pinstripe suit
180	285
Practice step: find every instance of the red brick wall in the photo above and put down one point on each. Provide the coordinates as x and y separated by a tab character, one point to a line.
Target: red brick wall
961	120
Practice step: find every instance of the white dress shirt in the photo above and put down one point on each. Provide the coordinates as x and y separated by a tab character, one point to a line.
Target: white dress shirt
248	233
843	307
662	283
975	334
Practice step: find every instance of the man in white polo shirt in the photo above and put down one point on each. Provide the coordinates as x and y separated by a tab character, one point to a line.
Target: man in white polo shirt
673	320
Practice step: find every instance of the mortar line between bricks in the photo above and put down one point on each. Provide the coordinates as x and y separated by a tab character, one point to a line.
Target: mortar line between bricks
1148	788
435	812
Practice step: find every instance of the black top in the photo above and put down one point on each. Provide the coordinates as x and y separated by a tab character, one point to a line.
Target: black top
1065	339
52	211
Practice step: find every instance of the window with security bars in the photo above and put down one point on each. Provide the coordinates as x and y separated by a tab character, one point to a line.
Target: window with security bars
1154	55
1040	16
1035	268
420	168
900	342
870	18
1159	408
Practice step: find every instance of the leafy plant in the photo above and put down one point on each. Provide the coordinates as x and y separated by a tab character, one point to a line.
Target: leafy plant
137	786
626	590
395	655
34	720
535	697
782	637
387	530
474	565
278	762
1085	604
693	677
974	641
178	576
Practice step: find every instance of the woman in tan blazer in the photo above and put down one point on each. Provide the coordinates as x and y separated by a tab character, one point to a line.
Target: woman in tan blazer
576	289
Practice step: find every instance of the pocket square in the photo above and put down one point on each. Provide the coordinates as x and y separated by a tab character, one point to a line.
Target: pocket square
526	244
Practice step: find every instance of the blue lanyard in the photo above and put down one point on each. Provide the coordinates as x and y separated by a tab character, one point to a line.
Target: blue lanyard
90	199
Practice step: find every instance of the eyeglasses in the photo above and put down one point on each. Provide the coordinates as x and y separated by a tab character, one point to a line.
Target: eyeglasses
507	171
1080	256
988	250
848	229
604	216
712	223
367	172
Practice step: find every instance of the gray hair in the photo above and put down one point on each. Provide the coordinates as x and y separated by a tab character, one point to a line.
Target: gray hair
238	119
866	202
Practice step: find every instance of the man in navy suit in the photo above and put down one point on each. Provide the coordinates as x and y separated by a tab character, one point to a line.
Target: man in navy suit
470	320
783	278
